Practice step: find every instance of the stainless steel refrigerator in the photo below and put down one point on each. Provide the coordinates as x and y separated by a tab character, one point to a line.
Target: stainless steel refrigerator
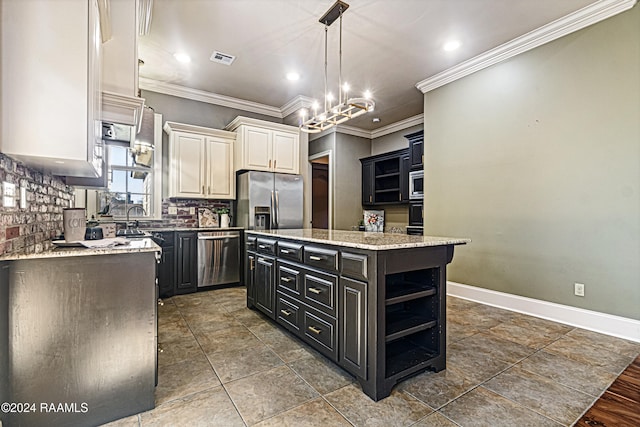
267	200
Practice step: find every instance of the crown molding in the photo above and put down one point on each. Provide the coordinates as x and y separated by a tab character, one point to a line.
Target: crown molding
267	110
568	24
398	126
296	104
208	97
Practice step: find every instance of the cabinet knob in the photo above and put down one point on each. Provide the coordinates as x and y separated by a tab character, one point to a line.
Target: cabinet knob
286	312
315	291
315	258
274	163
269	163
370	198
286	279
284	251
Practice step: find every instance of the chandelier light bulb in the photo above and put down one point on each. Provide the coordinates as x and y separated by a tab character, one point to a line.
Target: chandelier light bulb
303	113
367	94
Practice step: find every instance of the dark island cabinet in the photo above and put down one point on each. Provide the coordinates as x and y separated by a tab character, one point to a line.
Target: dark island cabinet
353	326
264	285
385	178
249	270
186	262
380	314
416	149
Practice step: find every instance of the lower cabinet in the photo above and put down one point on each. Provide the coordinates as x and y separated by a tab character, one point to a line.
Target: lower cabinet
186	262
353	326
264	290
167	263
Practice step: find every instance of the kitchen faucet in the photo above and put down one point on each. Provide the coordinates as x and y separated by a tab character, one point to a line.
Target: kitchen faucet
129	210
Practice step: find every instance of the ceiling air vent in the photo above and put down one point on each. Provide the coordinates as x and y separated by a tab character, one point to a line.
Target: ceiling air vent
222	58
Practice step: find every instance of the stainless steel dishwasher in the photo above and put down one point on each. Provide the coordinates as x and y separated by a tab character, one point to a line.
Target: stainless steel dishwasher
218	258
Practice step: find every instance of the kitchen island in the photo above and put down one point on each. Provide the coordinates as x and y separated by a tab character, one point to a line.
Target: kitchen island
78	334
374	303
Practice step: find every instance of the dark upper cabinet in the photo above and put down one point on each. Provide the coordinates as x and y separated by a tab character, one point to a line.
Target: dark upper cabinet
367	181
405	161
385	178
186	262
416	149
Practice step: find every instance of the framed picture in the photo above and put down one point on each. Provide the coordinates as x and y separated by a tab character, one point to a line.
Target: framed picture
374	221
207	218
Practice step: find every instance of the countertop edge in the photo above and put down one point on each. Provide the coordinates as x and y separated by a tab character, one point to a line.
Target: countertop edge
427	241
136	246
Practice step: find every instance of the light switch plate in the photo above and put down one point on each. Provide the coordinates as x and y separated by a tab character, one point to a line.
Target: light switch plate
192	211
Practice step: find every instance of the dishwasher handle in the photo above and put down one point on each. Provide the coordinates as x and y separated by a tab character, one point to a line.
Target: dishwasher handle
218	237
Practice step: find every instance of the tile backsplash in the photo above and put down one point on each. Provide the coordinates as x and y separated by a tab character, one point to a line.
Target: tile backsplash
30	230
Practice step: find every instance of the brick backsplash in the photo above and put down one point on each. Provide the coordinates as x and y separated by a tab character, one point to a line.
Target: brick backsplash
30	230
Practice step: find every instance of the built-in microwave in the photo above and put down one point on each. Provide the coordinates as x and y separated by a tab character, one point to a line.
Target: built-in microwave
416	185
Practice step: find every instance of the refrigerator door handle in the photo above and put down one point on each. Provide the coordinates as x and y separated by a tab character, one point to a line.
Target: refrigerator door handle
273	212
277	210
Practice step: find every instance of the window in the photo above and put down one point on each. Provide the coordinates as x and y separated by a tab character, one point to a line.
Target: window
134	181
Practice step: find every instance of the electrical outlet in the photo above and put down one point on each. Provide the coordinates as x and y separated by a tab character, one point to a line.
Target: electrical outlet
172	210
192	211
578	289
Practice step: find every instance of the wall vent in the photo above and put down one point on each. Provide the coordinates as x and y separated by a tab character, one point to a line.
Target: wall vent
222	58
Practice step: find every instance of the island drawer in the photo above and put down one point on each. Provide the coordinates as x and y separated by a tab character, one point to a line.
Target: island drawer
266	246
354	265
289	313
289	278
290	251
320	331
325	259
320	291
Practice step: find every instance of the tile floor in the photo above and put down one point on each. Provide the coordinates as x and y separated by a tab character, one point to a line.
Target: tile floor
225	365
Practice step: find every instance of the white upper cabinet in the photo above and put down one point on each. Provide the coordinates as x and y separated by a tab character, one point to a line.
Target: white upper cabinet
200	162
120	101
50	94
265	146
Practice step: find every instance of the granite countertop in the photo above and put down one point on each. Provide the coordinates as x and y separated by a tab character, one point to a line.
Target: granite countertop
134	246
363	240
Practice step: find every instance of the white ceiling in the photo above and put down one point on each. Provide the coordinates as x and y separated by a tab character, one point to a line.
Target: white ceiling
388	45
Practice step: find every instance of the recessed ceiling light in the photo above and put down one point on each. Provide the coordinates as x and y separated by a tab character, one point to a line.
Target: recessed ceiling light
451	45
293	76
182	57
376	120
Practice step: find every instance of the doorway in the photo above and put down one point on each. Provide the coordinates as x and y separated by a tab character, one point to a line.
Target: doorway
321	204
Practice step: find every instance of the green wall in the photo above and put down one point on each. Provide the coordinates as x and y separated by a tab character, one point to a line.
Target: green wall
537	159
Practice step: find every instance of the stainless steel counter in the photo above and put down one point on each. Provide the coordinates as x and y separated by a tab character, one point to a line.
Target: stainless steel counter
80	331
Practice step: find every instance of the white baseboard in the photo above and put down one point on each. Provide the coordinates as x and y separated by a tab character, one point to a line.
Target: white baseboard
608	324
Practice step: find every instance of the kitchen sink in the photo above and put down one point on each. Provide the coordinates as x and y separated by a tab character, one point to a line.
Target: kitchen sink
131	233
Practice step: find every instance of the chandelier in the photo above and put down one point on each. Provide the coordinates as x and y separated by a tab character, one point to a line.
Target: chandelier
346	108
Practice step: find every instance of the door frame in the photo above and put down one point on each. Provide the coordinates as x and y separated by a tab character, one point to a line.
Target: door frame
329	154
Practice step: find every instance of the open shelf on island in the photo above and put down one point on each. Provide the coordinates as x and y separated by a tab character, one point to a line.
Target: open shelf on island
406	353
401	324
407	291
